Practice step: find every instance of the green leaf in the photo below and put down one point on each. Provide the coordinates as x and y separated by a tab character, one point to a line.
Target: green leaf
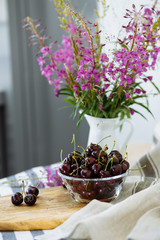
156	24
142	105
139	113
124	46
122	115
127	111
66	89
80	117
77	106
70	101
93	105
105	114
62	26
63	93
158	90
97	13
63	20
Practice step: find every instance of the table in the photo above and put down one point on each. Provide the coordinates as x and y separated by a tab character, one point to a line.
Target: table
12	187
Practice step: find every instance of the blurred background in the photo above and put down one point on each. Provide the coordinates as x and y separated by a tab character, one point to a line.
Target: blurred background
34	124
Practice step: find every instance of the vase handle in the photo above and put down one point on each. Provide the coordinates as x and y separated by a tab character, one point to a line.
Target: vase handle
123	147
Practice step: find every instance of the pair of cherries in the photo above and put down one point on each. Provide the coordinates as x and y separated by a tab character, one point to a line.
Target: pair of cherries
30	197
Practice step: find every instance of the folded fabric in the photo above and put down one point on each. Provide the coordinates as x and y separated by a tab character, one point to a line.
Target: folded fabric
138	203
147	227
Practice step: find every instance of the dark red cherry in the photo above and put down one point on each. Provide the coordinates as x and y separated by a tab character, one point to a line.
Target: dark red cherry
125	166
91	160
96	168
101	192
30	199
75	175
85	172
87	152
74	166
65	168
95	154
103	155
83	194
117	154
90	195
104	174
94	147
33	190
115	160
17	198
116	169
74	155
67	160
86	185
98	185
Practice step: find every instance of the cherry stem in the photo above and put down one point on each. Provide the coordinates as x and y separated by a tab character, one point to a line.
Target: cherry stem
103	139
61	155
86	186
114	143
125	158
111	159
74	142
76	163
76	169
135	169
24	193
99	155
82	149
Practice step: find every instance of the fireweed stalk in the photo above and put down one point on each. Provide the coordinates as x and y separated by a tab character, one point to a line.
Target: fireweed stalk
81	71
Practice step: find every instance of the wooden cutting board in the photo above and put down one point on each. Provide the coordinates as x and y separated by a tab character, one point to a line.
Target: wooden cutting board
52	208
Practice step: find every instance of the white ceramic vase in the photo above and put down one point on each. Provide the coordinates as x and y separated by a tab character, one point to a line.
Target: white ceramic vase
100	128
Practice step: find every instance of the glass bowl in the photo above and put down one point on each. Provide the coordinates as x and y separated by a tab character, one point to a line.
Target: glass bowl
86	189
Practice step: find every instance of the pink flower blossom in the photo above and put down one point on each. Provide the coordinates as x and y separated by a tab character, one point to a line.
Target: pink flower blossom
131	111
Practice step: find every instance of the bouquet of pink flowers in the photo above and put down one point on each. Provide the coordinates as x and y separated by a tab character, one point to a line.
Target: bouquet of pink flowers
83	72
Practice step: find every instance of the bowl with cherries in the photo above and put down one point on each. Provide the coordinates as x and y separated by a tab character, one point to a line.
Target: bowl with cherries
94	173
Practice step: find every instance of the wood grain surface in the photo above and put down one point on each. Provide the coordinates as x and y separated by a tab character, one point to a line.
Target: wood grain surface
53	207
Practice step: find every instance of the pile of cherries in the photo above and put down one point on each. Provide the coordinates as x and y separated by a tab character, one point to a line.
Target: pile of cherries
93	163
30	197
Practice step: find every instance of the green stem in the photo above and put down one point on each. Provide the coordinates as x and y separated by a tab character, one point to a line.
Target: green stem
135	169
103	139
24	193
80	19
61	157
74	142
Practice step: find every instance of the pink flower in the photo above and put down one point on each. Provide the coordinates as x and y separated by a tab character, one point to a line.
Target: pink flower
86	86
131	111
41	61
127	95
101	106
137	90
46	50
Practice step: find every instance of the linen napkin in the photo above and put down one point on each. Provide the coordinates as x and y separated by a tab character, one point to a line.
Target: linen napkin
134	215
